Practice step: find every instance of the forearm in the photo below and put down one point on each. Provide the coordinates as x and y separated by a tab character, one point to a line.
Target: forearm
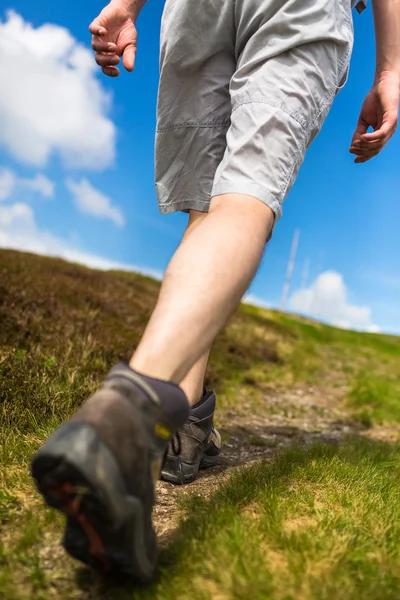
387	32
134	6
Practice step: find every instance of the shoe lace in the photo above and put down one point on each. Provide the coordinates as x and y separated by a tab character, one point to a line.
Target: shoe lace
176	444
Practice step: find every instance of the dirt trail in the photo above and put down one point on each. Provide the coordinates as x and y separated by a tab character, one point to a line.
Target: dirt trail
298	416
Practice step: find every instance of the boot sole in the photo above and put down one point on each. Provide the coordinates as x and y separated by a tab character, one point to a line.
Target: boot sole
176	471
78	475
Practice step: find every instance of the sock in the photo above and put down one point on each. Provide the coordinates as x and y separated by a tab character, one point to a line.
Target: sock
205	407
172	398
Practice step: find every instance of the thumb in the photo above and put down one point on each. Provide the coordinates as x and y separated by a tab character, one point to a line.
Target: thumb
361	129
386	130
128	57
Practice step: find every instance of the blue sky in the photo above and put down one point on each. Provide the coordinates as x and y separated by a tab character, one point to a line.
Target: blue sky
62	120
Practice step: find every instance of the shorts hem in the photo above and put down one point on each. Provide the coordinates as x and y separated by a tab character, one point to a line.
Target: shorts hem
193	124
257	99
249	189
184	206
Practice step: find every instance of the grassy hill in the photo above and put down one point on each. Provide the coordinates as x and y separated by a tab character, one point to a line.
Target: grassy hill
309	521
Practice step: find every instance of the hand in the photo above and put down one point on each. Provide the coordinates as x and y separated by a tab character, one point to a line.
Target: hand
114	35
379	111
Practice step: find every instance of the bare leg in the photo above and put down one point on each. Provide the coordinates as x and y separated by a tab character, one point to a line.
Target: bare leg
193	383
203	285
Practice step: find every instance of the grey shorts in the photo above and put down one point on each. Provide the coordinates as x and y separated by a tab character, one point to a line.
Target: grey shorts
245	87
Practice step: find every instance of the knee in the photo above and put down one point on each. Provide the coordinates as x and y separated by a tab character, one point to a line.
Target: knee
246	209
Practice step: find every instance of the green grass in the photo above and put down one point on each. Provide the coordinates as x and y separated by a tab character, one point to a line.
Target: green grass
320	523
375	398
62	325
316	524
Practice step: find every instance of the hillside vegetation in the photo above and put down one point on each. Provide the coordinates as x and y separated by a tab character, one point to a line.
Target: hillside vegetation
310	520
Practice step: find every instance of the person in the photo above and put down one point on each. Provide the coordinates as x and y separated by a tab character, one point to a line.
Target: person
245	87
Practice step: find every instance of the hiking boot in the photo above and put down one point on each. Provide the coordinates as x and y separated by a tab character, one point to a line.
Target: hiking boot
100	469
195	446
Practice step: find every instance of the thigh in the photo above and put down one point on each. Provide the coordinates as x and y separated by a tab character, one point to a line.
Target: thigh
292	58
197	62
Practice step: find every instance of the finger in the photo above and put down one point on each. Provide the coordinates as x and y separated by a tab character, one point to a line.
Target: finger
129	55
100	46
362	127
106	60
355	151
369	144
386	130
96	28
363	159
360	161
111	71
363	151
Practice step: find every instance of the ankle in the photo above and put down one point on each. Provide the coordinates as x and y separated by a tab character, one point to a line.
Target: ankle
166	393
152	368
193	394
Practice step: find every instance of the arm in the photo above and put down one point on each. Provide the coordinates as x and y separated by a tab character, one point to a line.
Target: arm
381	106
114	35
387	33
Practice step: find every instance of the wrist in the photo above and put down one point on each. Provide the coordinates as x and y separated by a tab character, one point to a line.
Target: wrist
132	6
384	74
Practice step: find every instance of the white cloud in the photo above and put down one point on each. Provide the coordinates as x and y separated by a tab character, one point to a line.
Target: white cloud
40	183
50	100
7	182
19	231
10	184
91	201
327	299
18	216
254	300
